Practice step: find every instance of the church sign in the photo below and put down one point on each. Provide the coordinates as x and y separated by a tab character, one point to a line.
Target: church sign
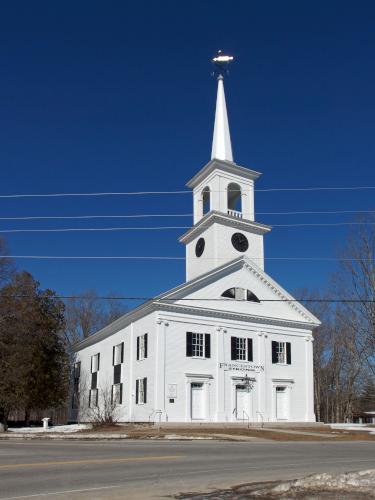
241	367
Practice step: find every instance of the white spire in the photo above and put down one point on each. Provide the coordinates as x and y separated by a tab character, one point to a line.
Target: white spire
221	145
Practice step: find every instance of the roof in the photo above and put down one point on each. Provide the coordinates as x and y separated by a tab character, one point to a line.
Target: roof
226	166
168	301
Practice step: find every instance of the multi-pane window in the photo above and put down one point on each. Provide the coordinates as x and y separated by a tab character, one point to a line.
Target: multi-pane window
141	391
281	353
241	349
117	360
198	345
142	346
117	394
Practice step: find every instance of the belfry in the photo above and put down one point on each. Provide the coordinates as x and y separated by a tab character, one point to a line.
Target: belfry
229	344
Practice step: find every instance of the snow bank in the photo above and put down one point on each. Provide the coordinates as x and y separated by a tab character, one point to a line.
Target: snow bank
54	428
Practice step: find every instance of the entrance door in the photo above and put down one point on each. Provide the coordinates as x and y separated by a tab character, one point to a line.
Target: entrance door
197	401
242	403
282	412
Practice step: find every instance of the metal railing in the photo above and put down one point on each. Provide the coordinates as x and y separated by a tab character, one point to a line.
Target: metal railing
261	417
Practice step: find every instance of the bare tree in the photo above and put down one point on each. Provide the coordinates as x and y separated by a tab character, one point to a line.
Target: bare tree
103	410
355	281
86	313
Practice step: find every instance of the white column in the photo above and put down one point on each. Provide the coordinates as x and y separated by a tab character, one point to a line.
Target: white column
261	377
220	374
131	373
309	380
160	366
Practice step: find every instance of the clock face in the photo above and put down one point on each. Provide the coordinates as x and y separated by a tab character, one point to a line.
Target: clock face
199	247
240	243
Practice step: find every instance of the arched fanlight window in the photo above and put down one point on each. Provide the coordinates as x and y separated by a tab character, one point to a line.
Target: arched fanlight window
240	294
234	197
206	200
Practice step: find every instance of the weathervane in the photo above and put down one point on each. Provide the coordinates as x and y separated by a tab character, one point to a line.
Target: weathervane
221	62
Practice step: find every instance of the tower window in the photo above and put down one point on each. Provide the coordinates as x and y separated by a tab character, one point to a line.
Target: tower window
238	293
206	200
234	197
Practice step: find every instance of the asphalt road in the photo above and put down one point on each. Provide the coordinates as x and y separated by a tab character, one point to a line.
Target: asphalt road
155	469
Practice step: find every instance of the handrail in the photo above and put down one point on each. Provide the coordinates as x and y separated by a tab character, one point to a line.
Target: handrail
262	418
248	418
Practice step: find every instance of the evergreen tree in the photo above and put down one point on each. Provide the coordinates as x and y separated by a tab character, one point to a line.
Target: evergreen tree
34	368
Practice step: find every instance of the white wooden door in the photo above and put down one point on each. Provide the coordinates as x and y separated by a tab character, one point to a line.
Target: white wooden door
242	402
197	401
282	410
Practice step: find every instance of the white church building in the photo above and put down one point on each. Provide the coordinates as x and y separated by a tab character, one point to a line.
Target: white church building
229	344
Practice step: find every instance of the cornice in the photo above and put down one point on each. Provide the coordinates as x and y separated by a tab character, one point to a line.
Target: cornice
225	219
225	166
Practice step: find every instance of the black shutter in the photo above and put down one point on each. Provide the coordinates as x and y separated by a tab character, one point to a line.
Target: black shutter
112	394
96	397
122	352
145	344
98	361
145	390
249	349
120	394
136	391
207	345
233	346
274	352
89	399
288	354
113	355
117	374
94	380
91	364
137	347
189	344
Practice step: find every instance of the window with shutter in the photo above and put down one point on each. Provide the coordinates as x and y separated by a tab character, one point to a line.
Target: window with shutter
281	353
198	345
142	347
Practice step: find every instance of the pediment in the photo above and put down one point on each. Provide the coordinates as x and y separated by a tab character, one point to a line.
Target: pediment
275	302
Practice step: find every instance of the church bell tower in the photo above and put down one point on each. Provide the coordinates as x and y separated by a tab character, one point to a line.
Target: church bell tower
223	197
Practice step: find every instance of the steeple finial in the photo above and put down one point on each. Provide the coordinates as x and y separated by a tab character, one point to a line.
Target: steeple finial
221	144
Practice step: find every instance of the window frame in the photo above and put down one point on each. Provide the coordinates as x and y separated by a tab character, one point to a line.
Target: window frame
201	348
141	389
142	347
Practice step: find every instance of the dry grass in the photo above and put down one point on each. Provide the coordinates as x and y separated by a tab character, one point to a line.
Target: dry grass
145	431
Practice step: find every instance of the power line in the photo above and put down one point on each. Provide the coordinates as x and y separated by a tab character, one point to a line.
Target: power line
144	193
140	216
161	257
163	228
216	299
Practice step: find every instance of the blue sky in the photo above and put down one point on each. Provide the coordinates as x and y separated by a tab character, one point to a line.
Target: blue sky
118	96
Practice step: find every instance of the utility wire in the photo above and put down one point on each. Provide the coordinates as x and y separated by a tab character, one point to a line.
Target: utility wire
221	299
161	257
163	228
140	216
143	193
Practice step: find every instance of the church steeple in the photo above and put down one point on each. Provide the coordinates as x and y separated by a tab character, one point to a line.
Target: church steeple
224	219
221	144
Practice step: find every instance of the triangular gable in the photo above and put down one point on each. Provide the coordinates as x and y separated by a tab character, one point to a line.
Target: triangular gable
275	302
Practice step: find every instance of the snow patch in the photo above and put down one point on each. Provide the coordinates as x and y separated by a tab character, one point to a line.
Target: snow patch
53	428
